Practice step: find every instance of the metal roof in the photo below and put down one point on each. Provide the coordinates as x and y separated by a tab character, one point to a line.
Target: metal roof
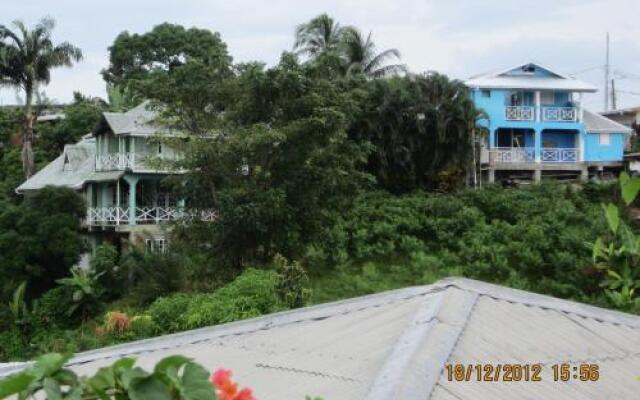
139	121
395	345
622	111
501	80
597	123
70	169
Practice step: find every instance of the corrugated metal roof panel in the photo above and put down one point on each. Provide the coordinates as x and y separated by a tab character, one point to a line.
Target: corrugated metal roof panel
597	123
396	345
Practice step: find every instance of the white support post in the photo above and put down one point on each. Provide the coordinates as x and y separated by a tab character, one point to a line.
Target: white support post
538	107
580	109
118	202
132	151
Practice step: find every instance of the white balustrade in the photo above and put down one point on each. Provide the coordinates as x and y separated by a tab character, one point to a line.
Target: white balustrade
513	155
127	161
560	114
144	215
560	155
519	113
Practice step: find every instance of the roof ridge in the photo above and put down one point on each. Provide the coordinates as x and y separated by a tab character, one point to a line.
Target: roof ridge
540	300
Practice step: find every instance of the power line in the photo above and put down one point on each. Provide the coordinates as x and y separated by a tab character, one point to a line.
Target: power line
582	71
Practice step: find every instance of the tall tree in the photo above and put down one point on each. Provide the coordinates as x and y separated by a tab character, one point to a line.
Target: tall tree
319	35
360	55
29	57
421	128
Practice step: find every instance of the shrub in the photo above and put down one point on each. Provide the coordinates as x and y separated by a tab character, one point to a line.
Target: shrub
251	294
166	312
52	309
151	275
292	282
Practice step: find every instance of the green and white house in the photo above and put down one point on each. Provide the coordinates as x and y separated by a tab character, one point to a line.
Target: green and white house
118	169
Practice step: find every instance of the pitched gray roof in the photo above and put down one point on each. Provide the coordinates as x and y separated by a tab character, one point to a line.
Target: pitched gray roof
396	345
139	121
499	80
597	123
73	168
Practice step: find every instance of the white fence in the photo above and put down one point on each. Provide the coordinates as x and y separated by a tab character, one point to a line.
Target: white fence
519	113
560	114
513	155
124	161
528	155
145	215
563	155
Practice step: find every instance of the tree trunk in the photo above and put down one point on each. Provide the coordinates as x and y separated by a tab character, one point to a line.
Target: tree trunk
28	163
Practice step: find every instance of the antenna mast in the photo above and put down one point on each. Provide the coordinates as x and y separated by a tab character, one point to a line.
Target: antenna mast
606	78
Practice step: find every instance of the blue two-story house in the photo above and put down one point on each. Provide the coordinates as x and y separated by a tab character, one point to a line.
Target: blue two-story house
537	126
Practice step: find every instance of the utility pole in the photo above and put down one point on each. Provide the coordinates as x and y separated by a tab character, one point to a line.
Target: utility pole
606	78
613	94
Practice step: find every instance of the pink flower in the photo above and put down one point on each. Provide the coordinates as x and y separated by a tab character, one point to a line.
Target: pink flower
226	389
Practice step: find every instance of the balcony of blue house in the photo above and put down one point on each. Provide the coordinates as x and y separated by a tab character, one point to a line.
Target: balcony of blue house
530	109
529	146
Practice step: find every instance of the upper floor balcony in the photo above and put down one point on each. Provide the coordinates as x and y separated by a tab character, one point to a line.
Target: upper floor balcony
132	162
542	113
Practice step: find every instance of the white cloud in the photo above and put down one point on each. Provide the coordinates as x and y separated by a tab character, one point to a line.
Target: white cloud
460	38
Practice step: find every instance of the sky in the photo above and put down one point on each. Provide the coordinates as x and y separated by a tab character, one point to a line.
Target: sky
457	37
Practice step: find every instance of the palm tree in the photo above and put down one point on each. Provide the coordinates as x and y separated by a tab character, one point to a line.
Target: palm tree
320	34
360	55
29	56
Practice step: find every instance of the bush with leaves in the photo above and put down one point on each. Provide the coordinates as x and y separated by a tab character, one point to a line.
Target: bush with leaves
151	275
86	292
40	240
173	378
251	294
293	282
533	238
619	253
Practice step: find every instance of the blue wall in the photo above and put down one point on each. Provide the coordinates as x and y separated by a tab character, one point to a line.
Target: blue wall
563	133
594	151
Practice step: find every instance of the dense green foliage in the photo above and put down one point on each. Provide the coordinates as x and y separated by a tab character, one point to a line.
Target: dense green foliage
619	257
40	239
535	238
251	294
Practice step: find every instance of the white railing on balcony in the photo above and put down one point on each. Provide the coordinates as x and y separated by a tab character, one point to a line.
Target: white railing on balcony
519	113
512	155
107	216
560	155
560	114
145	215
124	161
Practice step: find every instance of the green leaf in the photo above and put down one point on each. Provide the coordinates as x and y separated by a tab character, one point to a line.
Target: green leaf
127	376
52	389
66	377
48	364
613	217
195	383
630	187
170	362
123	363
15	383
147	388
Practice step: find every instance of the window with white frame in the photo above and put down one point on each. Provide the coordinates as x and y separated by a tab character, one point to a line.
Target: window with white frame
158	246
605	139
